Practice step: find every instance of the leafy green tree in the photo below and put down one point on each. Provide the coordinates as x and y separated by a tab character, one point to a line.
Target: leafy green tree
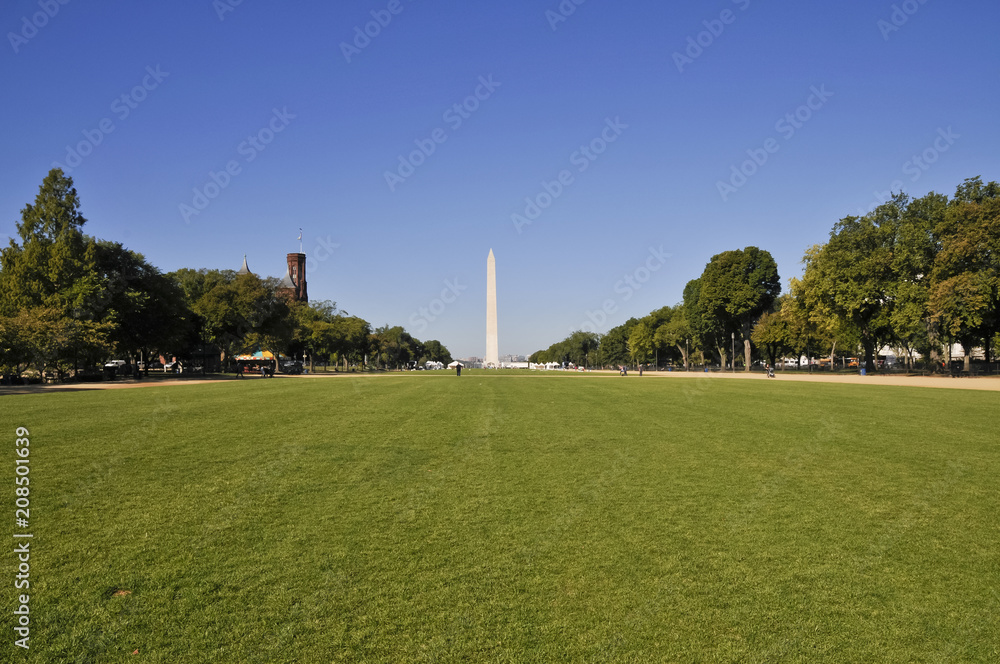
813	324
640	342
736	288
55	265
435	351
914	255
656	319
47	340
852	276
15	349
965	280
396	347
357	333
675	334
581	348
773	334
706	330
314	330
614	344
244	314
194	284
50	280
147	309
538	357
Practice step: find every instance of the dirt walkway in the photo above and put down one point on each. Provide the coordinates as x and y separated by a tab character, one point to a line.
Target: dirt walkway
116	385
990	383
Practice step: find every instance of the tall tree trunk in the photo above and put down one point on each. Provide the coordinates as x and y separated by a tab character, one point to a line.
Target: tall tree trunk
684	355
746	351
869	345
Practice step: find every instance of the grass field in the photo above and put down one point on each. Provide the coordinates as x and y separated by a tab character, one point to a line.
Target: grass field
428	518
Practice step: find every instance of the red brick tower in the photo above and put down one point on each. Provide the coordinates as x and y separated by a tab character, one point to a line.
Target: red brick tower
297	275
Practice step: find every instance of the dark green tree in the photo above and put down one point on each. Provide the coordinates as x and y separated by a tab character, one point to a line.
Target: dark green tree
147	309
243	314
614	344
435	351
641	342
736	288
965	279
852	275
914	255
51	278
706	331
55	265
673	335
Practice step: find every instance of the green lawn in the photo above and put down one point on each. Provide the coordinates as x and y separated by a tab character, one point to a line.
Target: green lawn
545	518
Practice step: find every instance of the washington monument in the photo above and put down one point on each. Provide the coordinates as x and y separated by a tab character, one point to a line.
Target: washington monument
492	350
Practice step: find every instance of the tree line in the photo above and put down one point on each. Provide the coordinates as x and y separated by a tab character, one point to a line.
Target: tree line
918	275
69	301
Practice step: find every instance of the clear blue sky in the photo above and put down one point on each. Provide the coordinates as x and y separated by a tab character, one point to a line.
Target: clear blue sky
385	251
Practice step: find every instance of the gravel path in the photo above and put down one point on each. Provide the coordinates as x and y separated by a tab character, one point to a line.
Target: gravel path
989	383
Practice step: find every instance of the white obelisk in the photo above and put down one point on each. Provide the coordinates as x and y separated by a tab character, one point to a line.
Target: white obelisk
492	349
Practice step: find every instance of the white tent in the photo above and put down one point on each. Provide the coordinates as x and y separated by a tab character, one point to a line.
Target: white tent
454	364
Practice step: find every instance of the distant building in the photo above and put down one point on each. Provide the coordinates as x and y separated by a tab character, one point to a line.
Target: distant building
294	283
472	362
293	286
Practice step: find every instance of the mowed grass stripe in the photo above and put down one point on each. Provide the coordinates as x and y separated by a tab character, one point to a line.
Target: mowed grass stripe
552	519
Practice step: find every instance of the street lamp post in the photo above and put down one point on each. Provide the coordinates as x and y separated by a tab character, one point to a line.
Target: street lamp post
734	353
687	356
